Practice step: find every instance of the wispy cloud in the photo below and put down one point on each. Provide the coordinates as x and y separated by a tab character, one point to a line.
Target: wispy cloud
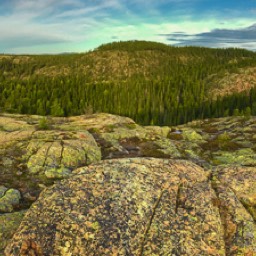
244	37
78	25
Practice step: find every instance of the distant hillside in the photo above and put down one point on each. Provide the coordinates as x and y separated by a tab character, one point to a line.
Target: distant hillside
151	82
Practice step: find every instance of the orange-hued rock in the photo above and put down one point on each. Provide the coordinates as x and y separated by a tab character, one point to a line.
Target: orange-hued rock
140	206
112	187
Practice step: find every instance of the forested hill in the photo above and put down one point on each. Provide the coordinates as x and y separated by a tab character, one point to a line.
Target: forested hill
152	83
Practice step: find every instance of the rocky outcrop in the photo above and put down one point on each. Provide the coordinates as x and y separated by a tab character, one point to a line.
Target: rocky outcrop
223	141
242	181
31	159
137	207
125	207
143	200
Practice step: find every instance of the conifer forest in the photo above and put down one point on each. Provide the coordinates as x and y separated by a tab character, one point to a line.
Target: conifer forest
153	83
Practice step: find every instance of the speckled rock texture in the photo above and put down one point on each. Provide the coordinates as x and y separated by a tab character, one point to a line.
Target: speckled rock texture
9	222
139	206
113	187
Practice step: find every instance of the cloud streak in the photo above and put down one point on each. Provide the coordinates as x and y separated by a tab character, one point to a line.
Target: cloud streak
245	37
30	26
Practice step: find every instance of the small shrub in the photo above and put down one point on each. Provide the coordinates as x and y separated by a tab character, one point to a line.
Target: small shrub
94	130
130	126
43	124
88	110
224	137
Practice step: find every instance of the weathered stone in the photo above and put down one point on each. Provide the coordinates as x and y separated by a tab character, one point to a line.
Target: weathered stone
191	135
238	224
29	157
59	173
113	200
241	156
60	152
9	222
97	122
242	181
125	207
163	131
8	199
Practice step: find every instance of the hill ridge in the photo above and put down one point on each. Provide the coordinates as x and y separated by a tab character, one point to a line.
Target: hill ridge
169	86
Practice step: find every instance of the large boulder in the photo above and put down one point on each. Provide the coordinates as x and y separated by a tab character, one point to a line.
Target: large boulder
139	206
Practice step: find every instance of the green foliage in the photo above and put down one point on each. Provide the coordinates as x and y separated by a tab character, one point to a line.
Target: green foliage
150	82
56	109
224	137
236	112
43	124
247	112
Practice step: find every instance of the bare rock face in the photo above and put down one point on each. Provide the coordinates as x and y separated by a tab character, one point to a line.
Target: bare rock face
31	159
55	154
236	190
125	207
9	222
131	205
242	181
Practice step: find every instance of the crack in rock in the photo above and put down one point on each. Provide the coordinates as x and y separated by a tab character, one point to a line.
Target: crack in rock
148	226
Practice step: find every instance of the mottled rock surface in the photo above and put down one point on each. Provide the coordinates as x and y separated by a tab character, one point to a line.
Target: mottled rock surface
242	181
9	222
222	141
31	159
9	198
125	207
142	206
220	195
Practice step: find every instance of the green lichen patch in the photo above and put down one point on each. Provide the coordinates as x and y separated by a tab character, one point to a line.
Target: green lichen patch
137	206
9	222
242	156
9	198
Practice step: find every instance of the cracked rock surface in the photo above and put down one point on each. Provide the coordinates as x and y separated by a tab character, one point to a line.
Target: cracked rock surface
125	207
139	206
185	190
33	159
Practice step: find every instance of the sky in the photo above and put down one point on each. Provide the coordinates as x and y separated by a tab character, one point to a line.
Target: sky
57	26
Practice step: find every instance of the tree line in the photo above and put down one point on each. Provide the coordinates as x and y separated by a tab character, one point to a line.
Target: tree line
174	92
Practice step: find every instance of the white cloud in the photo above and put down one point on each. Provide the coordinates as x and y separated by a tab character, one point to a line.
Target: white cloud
78	25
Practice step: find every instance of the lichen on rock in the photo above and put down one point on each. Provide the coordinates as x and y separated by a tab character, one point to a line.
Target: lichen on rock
130	206
9	198
9	222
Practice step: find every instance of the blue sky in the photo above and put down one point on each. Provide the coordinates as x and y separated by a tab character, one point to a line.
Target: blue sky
55	26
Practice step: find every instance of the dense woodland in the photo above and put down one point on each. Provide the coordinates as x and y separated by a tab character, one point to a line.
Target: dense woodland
150	82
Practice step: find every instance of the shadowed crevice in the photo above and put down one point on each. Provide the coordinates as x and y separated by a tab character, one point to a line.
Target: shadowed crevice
150	222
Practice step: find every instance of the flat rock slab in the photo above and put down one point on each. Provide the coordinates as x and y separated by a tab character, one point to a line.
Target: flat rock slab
30	160
133	206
